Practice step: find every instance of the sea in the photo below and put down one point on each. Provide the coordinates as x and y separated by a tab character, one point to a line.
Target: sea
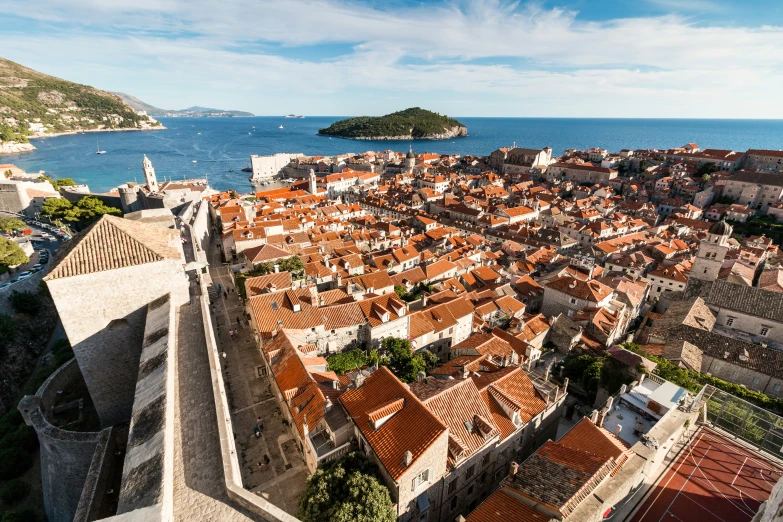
219	148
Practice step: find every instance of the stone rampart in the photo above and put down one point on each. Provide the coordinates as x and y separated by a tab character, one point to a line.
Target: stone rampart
66	456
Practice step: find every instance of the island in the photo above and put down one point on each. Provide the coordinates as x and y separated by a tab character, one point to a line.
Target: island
190	112
37	105
413	123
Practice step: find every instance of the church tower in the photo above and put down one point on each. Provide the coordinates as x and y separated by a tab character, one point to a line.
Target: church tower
410	159
313	186
712	252
149	175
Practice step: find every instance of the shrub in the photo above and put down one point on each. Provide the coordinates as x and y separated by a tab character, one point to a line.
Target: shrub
23	437
10	422
25	515
25	302
13	491
14	462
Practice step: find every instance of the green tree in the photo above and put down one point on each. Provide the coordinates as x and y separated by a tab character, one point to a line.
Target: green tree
56	208
706	168
430	359
9	224
643	165
8	173
346	490
403	363
400	291
343	362
294	265
91	208
57	183
25	302
232	194
11	254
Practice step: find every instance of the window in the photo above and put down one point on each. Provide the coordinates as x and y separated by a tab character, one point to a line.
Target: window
483	478
776	388
452	486
764	331
453	503
754	380
573	301
470	492
469	472
485	460
729	321
420	479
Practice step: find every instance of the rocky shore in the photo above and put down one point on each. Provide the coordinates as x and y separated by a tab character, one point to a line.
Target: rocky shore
454	132
12	147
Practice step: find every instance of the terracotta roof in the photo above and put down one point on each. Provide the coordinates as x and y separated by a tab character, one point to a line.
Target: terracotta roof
265	252
513	383
589	290
504	507
278	281
414	428
462	409
112	243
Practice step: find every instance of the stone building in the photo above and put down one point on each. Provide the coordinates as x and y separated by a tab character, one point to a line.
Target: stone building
101	284
712	252
757	190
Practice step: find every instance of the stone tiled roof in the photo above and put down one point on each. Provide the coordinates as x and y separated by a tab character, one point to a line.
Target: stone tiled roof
745	299
112	243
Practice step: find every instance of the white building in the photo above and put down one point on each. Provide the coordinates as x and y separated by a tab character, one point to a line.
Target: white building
266	167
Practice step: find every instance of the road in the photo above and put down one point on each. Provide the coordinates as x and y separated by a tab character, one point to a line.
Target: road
45	244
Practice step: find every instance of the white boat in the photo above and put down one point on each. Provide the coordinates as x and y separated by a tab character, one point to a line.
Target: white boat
300	117
280	127
195	161
98	147
199	134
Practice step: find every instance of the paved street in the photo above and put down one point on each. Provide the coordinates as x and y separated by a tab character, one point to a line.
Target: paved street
272	464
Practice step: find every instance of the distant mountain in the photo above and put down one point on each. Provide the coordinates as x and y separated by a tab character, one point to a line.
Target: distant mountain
190	112
413	123
36	104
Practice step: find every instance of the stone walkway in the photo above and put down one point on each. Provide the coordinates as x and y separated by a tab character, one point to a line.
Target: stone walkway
282	480
199	487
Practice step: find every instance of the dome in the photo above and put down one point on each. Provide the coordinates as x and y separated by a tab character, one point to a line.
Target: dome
721	228
410	154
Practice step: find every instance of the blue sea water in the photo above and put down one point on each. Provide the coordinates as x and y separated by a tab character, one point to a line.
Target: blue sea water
220	145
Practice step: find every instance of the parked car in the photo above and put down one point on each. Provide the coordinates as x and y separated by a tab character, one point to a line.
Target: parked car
24	275
3	285
38	266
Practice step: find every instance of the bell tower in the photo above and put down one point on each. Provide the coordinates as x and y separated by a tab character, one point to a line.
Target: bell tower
410	159
712	252
149	175
313	186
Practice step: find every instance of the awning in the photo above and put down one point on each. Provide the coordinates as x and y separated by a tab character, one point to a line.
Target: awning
423	502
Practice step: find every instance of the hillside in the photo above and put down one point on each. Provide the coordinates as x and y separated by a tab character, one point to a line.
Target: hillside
190	112
413	123
36	104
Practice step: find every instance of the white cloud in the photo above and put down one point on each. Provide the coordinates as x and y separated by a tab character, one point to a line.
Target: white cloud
661	66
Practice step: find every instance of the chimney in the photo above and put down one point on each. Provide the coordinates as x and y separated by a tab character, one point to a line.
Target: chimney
618	429
594	416
407	459
513	469
465	372
359	380
421	376
277	268
305	429
599	421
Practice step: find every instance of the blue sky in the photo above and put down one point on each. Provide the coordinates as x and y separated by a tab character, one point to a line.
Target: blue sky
571	58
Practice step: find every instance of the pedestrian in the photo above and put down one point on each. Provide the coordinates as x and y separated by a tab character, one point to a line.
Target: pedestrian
225	296
257	432
231	334
223	354
266	459
220	287
232	290
238	321
260	423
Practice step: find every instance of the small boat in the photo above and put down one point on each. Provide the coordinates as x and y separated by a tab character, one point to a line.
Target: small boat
280	127
250	133
195	161
199	134
301	117
98	147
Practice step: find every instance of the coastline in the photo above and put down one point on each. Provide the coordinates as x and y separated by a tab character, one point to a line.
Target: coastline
68	133
393	138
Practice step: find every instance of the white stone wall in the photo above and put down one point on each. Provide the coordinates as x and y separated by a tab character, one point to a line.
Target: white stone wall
108	353
750	324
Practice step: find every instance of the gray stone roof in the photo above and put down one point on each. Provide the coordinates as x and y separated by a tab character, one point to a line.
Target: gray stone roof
761	178
745	299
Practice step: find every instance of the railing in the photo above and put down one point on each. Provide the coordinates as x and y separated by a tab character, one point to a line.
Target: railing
655	378
335	453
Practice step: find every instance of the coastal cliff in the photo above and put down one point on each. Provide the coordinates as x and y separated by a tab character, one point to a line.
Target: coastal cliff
413	123
35	105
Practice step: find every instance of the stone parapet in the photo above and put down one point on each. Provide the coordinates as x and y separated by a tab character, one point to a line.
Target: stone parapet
66	456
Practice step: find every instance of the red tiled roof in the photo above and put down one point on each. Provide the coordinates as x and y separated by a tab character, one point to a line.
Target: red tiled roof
414	428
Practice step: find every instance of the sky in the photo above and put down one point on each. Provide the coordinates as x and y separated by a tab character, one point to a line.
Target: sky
575	58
